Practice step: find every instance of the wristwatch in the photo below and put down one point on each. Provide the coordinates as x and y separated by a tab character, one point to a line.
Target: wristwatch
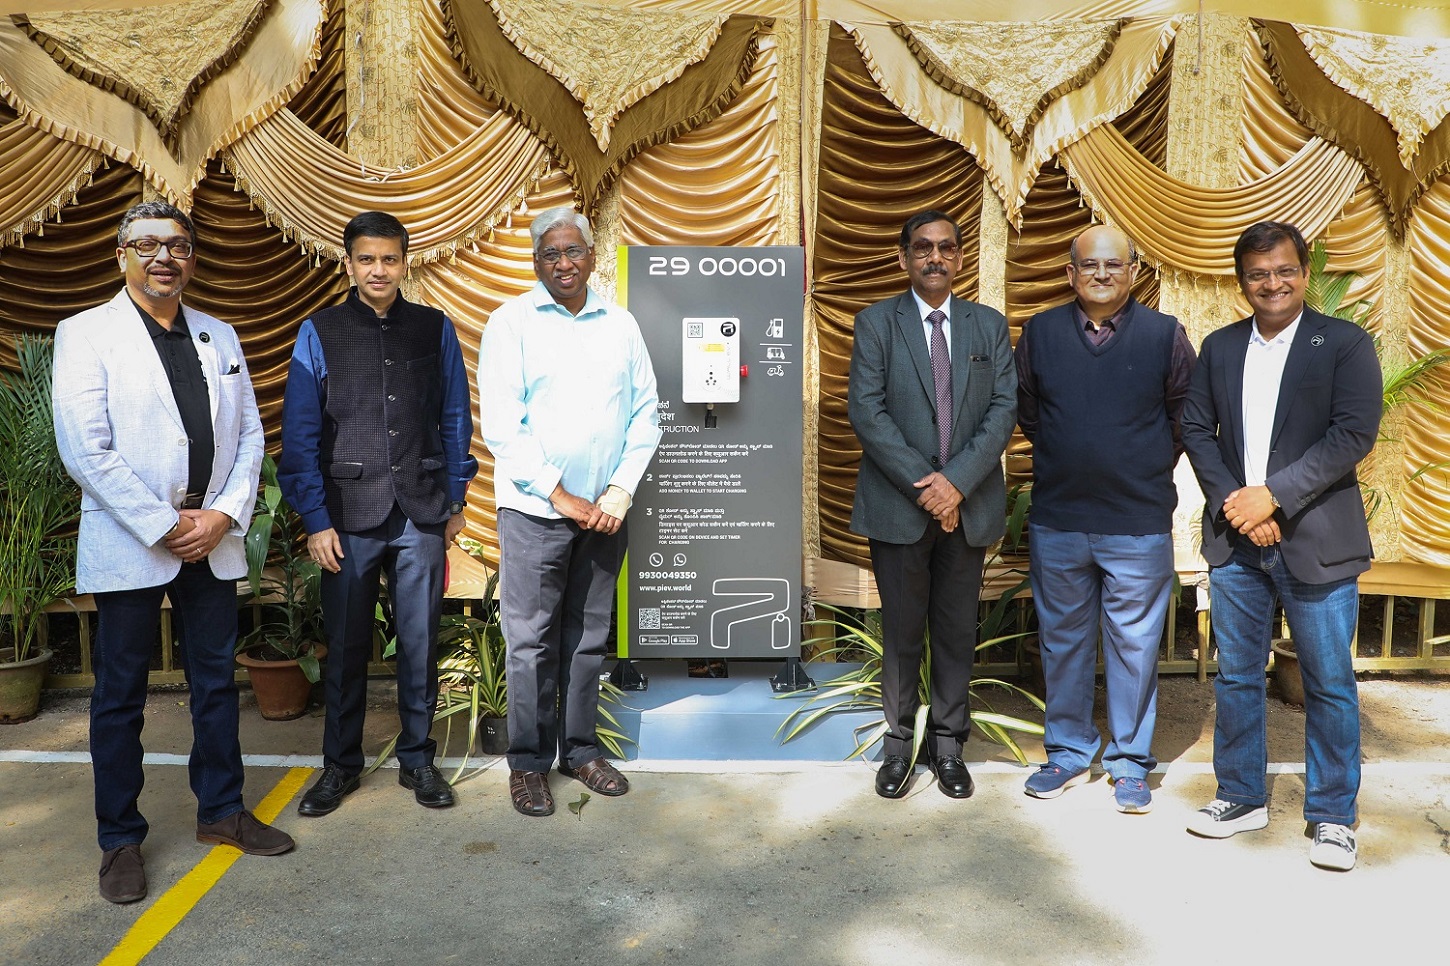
1272	498
456	507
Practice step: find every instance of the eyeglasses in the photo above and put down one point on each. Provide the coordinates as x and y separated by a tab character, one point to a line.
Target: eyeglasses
1113	267
1286	273
551	256
151	247
924	248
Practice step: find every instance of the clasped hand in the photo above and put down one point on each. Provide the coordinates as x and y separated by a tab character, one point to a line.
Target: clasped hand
1250	511
941	499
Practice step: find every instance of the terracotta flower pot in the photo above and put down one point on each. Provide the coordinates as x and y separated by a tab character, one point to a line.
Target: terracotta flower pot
20	685
281	688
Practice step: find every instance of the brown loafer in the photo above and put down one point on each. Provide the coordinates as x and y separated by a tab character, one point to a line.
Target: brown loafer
123	874
598	775
530	792
242	830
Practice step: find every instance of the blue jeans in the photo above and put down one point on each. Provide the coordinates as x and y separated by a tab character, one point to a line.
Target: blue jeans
1322	619
204	614
1119	584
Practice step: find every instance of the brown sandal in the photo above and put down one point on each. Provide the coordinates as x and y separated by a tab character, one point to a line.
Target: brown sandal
598	775
530	792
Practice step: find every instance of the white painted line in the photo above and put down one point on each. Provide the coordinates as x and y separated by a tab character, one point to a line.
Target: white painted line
706	767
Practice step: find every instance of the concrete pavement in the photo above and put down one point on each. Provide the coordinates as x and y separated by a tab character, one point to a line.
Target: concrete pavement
735	863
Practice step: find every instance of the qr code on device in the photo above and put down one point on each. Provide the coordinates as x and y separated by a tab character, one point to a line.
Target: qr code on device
649	618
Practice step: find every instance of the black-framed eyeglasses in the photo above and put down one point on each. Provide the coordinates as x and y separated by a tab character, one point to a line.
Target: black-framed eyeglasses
922	249
151	247
1285	273
1112	267
551	256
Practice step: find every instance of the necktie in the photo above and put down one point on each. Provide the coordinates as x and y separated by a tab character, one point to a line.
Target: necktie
941	376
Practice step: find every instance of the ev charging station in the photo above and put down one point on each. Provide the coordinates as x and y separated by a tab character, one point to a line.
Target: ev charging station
714	565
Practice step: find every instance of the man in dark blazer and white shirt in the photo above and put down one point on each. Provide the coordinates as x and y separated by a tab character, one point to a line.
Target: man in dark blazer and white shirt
1282	407
933	399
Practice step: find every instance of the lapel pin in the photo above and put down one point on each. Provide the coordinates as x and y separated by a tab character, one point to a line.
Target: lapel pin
206	337
1318	340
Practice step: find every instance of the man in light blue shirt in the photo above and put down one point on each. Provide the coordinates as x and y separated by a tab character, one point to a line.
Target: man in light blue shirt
568	407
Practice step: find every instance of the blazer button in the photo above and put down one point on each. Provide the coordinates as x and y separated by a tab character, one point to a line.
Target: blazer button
936	461
181	441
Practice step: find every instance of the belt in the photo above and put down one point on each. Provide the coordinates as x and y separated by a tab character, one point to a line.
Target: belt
193	501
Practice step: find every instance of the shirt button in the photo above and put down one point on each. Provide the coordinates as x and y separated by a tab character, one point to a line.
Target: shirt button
395	469
392	432
387	362
392	398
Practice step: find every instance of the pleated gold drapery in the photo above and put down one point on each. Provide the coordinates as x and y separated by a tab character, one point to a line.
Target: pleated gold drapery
916	110
1194	228
876	168
43	174
543	103
279	55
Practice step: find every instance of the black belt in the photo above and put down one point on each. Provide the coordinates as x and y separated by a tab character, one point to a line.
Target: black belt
193	501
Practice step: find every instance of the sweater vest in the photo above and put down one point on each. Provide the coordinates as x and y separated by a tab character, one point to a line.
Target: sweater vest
1102	460
380	438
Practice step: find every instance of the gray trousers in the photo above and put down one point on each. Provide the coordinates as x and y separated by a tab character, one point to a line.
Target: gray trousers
556	592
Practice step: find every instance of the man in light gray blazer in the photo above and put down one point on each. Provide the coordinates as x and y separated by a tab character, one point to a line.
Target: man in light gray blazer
156	420
933	399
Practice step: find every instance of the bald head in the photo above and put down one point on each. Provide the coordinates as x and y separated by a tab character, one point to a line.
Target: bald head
1102	267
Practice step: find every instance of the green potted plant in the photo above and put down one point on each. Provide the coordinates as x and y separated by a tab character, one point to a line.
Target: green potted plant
39	506
283	650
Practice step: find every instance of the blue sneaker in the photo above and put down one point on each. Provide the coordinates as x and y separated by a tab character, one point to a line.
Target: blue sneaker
1132	796
1052	780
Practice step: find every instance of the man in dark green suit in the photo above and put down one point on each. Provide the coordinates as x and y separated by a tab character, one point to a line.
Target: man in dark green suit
933	399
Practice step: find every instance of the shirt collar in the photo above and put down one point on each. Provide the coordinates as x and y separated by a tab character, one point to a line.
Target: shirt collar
1113	321
544	302
1286	337
155	329
924	309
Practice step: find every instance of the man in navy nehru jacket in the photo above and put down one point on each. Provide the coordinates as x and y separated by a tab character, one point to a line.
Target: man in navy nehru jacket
376	429
1100	384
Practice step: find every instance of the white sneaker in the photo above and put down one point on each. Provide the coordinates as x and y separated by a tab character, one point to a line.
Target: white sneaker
1333	847
1220	819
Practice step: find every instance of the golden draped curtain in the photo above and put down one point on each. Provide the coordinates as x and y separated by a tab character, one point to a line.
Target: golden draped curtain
1049	115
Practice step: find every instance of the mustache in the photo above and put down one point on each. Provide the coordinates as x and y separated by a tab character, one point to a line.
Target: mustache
934	269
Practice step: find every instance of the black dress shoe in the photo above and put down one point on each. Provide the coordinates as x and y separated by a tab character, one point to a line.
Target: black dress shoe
952	777
328	793
429	786
893	776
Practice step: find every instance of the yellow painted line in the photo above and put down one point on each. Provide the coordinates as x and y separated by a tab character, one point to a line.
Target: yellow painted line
172	907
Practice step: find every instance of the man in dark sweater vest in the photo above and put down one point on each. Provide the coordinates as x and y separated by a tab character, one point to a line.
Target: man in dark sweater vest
376	430
1101	381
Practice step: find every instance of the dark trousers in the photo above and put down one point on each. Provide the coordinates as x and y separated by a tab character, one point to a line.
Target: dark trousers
557	592
934	582
204	615
413	557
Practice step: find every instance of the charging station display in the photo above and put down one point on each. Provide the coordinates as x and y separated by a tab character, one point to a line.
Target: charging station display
714	564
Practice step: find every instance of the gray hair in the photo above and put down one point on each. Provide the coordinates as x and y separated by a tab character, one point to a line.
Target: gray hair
562	217
152	210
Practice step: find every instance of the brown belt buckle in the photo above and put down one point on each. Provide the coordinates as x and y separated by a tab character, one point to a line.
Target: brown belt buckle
193	501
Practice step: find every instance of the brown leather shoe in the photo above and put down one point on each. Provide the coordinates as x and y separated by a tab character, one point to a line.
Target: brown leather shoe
123	874
598	775
530	792
242	830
